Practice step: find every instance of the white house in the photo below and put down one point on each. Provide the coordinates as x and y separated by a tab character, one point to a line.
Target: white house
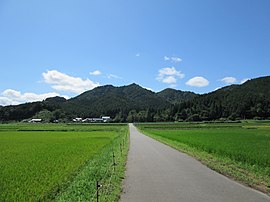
35	121
77	120
106	118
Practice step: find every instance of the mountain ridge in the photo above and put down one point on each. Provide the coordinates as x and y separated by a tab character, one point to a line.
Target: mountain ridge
113	99
135	103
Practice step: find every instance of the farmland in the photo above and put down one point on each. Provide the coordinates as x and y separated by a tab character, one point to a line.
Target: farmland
238	150
59	161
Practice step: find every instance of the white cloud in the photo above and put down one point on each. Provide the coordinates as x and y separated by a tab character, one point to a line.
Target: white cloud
112	76
169	80
244	80
138	55
9	93
172	59
64	82
5	101
229	80
95	73
198	81
13	97
171	71
166	58
176	59
169	75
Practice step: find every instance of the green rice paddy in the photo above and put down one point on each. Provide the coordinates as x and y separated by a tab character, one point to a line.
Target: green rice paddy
40	161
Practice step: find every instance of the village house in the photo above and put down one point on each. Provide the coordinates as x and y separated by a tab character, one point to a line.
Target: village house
35	121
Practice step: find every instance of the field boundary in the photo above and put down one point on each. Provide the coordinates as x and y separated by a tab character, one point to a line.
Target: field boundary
106	185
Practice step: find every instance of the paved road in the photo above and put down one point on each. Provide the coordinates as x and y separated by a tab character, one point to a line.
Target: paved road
156	172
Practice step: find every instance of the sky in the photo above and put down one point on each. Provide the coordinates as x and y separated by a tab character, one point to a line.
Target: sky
63	48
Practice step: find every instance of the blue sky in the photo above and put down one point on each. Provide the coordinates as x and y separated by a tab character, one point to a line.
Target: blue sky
50	48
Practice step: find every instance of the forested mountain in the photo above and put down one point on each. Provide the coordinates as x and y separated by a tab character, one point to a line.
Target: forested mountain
246	101
110	100
176	96
134	103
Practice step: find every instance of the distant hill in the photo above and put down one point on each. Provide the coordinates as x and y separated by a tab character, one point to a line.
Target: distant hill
176	96
20	112
134	103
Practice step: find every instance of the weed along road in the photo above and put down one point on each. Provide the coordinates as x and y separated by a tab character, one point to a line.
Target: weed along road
156	172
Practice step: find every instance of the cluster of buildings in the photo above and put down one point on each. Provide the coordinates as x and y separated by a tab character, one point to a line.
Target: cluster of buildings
103	119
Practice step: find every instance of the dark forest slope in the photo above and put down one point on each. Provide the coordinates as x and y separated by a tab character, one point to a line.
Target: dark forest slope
176	96
249	100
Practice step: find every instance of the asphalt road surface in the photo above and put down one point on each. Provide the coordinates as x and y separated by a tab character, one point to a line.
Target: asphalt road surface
156	172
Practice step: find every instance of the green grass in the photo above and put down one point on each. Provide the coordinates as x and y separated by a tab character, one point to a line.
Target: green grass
239	150
41	161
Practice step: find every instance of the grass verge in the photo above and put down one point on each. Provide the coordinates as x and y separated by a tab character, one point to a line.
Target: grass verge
107	169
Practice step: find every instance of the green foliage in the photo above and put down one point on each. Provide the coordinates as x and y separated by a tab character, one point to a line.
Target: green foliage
45	115
194	117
